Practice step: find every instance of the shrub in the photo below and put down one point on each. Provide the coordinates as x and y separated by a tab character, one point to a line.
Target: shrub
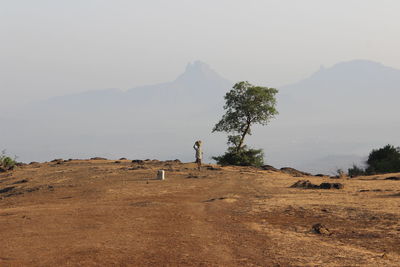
243	157
6	163
356	171
384	160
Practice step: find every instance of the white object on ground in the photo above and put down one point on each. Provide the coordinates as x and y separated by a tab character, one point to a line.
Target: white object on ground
161	175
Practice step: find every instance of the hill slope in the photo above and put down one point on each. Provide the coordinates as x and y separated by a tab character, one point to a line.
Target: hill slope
99	212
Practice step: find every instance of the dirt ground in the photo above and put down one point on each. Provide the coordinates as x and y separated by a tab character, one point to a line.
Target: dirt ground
114	213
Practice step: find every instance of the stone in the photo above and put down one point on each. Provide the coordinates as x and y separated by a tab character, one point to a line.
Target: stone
269	168
321	229
308	185
294	172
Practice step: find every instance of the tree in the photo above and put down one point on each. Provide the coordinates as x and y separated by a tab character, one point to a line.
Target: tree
245	105
384	160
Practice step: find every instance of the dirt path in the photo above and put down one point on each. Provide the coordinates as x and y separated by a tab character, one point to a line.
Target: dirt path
101	213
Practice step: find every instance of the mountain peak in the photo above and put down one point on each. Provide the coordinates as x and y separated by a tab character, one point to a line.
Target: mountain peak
198	68
198	65
200	72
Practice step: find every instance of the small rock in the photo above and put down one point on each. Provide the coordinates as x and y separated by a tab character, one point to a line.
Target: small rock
294	172
308	185
321	229
393	178
331	186
21	181
269	168
304	184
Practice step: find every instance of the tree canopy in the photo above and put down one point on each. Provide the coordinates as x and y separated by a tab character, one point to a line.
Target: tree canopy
245	105
382	160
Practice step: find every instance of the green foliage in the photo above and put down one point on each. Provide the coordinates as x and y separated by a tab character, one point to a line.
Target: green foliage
245	105
384	160
6	163
245	157
356	171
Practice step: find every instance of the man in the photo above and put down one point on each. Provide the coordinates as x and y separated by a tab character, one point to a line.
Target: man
199	153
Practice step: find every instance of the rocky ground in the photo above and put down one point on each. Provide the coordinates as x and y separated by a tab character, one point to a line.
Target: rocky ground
114	213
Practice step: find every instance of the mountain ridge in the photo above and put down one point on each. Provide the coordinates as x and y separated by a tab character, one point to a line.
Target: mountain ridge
317	119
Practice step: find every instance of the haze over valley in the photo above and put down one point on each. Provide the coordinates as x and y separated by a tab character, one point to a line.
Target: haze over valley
327	121
97	78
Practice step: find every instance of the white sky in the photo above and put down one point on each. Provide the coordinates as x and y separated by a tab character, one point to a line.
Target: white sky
56	47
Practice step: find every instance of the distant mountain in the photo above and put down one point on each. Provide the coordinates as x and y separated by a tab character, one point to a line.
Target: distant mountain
146	121
198	86
337	115
358	90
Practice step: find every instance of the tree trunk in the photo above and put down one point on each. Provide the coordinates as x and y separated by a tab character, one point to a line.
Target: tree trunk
242	138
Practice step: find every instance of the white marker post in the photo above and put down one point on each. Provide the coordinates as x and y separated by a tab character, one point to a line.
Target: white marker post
161	175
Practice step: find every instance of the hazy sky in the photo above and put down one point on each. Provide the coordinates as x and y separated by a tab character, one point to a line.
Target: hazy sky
55	47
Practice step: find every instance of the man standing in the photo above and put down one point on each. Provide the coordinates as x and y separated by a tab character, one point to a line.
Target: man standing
199	153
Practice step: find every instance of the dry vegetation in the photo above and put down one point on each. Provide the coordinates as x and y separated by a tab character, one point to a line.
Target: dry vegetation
99	212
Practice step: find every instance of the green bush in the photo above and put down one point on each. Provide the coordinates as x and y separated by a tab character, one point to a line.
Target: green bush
356	171
6	163
244	157
384	160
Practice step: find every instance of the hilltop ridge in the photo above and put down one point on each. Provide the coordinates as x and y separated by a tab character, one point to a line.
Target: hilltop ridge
114	212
